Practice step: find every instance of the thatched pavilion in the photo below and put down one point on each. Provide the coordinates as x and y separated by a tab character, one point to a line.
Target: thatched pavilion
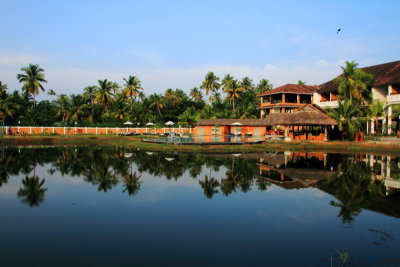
308	123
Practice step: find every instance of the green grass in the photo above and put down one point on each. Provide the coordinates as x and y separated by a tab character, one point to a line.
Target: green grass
135	142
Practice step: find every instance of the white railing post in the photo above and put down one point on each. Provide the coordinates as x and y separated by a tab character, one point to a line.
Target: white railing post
116	130
30	130
96	130
53	129
86	129
64	130
106	130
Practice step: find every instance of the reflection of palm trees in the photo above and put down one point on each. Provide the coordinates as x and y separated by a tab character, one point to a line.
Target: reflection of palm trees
209	186
32	192
353	188
131	183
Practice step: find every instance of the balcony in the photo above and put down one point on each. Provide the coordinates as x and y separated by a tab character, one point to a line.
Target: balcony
393	99
332	104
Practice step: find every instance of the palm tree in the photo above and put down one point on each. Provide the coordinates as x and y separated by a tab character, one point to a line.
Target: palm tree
210	83
132	87
263	86
353	83
188	117
3	87
300	82
78	108
346	116
32	78
89	94
103	92
62	104
51	93
233	89
195	94
7	106
157	102
247	84
227	78
375	110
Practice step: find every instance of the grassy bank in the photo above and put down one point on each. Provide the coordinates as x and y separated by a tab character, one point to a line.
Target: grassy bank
392	148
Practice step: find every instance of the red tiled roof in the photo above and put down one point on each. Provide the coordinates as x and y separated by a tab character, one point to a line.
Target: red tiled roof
293	89
387	73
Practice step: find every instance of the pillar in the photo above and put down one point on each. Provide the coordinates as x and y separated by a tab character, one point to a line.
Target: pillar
372	124
325	134
389	122
283	98
388	167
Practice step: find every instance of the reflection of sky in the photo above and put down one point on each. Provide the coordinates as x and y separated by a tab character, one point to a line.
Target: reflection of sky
172	222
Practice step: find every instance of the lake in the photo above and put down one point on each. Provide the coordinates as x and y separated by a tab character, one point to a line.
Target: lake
117	206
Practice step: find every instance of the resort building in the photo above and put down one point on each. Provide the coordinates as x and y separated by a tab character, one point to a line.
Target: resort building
286	99
308	122
386	88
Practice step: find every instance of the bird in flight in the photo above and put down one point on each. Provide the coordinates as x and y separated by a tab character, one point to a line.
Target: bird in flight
338	31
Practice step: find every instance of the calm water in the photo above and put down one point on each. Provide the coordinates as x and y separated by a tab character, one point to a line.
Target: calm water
113	206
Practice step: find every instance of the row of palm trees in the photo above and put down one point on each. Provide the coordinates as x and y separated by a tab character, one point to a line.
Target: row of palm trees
109	103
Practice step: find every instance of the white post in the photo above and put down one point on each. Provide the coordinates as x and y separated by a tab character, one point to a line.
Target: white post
30	130
389	124
106	130
96	130
164	130
372	126
116	130
53	129
64	130
18	128
41	129
86	130
6	133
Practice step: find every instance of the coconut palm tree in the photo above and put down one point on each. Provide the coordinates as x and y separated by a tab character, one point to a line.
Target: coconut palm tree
233	89
62	104
210	83
375	110
247	84
353	83
188	117
132	86
3	86
227	78
78	108
7	106
157	102
300	82
196	94
263	86
32	78
103	94
51	93
346	116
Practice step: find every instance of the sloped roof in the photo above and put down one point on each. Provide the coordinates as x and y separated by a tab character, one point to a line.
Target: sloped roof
387	73
293	89
307	115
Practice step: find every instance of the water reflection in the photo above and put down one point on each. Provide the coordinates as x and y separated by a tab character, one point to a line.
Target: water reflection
356	181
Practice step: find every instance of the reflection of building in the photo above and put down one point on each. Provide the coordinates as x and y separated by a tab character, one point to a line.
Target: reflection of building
293	170
386	169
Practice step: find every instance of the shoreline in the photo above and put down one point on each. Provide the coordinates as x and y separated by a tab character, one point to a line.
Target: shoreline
376	147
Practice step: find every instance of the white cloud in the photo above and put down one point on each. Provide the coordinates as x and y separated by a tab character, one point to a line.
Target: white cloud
10	59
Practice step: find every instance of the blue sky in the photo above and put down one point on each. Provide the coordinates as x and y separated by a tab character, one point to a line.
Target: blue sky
173	44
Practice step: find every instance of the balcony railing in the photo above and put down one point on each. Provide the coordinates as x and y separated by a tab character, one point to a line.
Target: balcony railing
332	104
393	99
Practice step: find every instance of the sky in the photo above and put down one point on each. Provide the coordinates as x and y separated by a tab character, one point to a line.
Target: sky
173	44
